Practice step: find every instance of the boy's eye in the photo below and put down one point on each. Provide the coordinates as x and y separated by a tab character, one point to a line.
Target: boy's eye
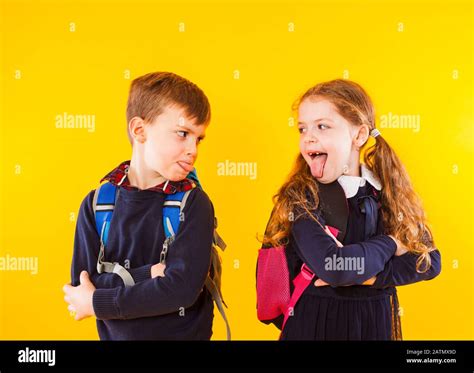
182	133
301	129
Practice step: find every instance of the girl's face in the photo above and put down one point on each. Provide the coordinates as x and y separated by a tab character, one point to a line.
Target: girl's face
328	142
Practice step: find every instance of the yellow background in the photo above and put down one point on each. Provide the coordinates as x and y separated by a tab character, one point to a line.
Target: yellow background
414	57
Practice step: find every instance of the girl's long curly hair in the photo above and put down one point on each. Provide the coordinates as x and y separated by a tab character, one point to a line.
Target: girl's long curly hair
401	209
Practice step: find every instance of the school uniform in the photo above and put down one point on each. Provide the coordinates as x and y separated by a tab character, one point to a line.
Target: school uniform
355	312
174	307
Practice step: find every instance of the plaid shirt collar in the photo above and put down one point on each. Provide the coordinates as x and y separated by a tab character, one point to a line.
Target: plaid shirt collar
118	176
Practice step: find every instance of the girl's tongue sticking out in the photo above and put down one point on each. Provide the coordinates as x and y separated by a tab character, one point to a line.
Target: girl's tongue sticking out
318	160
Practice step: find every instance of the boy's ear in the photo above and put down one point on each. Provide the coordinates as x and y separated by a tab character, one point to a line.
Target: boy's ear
361	135
136	128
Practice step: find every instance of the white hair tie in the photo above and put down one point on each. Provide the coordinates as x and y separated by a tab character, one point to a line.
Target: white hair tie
374	133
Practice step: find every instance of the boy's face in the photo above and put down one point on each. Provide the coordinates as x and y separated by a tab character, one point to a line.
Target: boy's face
171	143
323	130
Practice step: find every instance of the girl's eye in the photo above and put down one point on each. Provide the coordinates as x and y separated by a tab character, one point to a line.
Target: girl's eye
321	125
301	129
182	133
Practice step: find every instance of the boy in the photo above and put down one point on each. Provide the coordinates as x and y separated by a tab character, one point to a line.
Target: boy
167	118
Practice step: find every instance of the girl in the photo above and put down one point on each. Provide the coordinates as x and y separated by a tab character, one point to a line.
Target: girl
385	240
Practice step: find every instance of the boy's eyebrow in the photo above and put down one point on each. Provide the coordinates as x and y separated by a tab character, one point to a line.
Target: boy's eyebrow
191	130
317	120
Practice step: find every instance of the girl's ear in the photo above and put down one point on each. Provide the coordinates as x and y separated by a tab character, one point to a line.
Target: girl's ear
361	135
136	127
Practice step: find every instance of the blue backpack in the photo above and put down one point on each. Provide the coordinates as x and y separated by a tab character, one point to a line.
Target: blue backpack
104	201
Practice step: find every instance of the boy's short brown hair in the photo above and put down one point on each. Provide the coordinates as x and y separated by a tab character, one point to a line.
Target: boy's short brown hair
151	93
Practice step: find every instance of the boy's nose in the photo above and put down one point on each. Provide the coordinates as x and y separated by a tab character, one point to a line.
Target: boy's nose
191	153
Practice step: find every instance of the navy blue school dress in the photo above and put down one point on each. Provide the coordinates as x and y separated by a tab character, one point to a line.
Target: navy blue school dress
355	312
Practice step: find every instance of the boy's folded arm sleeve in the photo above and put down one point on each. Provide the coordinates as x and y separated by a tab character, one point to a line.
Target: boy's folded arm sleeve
86	250
401	270
316	248
187	267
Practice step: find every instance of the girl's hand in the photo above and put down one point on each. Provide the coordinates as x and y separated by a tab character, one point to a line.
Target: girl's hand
158	270
79	297
320	282
332	236
370	281
401	249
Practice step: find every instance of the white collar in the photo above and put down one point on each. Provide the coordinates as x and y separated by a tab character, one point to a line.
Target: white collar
351	184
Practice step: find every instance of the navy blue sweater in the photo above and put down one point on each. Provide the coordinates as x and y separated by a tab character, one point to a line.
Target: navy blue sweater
313	246
163	308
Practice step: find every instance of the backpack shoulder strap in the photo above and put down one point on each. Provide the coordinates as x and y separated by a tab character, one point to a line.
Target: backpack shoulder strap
300	282
216	296
103	206
172	209
217	239
172	217
334	207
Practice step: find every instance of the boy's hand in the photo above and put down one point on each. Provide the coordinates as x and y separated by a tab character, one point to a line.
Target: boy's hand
79	297
158	270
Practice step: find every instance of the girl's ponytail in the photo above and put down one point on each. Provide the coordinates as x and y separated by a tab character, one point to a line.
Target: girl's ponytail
402	211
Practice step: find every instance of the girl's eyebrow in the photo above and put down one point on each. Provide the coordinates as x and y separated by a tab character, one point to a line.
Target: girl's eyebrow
318	120
191	131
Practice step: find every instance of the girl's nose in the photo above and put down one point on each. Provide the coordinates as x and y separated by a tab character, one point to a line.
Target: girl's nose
311	135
